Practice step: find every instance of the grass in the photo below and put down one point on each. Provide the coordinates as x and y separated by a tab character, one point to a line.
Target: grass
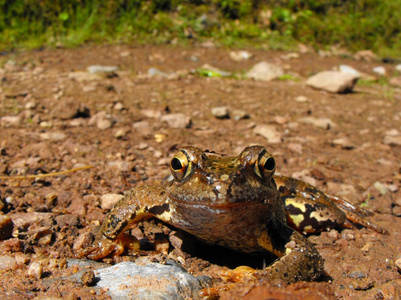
354	24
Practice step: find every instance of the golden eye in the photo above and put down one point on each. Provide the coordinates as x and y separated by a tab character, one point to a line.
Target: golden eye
180	166
265	165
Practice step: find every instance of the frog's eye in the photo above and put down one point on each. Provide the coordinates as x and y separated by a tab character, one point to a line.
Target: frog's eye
180	166
265	165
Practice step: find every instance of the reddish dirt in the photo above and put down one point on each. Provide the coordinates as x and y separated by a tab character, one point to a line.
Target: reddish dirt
50	213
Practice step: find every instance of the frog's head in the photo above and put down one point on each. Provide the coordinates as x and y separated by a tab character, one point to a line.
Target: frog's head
204	178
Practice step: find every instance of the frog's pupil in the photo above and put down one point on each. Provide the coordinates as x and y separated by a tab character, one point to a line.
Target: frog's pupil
270	164
176	164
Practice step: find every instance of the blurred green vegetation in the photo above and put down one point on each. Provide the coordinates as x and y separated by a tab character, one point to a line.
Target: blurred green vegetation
281	24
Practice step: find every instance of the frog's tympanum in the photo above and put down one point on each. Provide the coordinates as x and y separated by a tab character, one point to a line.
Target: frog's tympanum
236	202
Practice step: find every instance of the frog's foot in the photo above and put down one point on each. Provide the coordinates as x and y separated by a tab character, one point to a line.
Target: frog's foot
356	215
104	247
231	277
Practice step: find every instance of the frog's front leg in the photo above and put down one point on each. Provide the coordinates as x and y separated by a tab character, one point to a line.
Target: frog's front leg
298	259
138	204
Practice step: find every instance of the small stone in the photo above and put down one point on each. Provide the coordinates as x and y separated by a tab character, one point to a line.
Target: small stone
343	143
153	72
398	264
240	115
142	146
107	201
30	105
301	99
396	81
104	124
88	278
69	109
10	121
7	262
178	120
392	140
324	123
95	69
264	71
35	270
143	127
333	81
379	70
398	67
240	55
366	55
380	188
150	113
269	132
83	76
121	133
348	69
118	106
220	112
53	136
6	227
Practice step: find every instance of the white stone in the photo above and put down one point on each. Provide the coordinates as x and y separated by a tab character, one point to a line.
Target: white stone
398	67
269	132
333	81
107	201
53	136
220	112
324	123
178	120
240	55
264	71
94	69
348	69
10	121
379	70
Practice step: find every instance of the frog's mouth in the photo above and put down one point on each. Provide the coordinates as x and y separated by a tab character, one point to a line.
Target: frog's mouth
217	205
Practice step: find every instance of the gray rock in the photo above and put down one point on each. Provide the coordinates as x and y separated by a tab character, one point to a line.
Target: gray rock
128	280
333	81
10	121
220	112
269	132
264	71
95	69
178	120
153	72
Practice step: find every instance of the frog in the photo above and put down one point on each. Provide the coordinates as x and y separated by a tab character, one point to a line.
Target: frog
236	202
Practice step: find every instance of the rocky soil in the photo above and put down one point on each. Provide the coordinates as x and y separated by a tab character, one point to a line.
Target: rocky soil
127	121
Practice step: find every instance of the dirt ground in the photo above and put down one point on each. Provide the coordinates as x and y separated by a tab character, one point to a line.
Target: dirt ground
68	118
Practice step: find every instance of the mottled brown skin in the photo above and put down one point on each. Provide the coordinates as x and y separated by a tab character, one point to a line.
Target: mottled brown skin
229	201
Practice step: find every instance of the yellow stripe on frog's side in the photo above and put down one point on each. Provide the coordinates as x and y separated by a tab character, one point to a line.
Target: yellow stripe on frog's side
298	218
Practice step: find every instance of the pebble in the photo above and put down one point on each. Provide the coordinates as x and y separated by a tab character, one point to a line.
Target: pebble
6	227
396	81
143	127
10	121
380	188
220	112
53	136
379	70
30	105
301	99
118	106
121	133
35	270
153	72
366	55
81	76
398	264
107	201
264	71
150	113
348	69
128	280
240	55
7	262
333	81
95	69
324	123
69	109
344	143
240	115
392	140
177	121
269	132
